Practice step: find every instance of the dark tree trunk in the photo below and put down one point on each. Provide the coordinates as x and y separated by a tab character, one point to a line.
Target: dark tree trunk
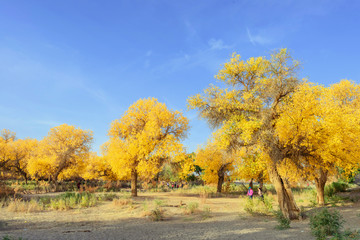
261	181
134	183
251	183
320	187
220	182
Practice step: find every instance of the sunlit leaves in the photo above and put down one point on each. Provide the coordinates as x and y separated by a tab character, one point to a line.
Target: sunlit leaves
147	135
61	154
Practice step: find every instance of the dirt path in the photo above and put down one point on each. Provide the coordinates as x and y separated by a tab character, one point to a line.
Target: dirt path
107	221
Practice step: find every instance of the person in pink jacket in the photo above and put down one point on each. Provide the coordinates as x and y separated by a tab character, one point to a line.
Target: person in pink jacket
250	193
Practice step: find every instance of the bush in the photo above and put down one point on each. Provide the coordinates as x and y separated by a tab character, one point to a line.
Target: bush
335	187
259	206
325	223
191	207
283	222
68	201
206	212
107	197
157	214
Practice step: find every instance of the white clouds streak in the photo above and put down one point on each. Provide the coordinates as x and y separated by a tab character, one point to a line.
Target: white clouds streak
258	39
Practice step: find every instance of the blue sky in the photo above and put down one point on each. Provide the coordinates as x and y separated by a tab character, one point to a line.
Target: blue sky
85	62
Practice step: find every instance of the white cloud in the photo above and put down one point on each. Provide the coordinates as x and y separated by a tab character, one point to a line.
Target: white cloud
217	44
258	38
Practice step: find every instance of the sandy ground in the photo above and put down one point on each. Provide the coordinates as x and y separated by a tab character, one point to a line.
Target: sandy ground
108	221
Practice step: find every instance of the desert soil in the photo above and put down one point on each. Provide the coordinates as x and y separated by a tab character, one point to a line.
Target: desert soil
109	221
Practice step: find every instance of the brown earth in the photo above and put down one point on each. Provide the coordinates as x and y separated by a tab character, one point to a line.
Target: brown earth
227	220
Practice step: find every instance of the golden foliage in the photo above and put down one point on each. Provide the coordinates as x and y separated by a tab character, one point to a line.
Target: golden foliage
62	154
147	135
215	162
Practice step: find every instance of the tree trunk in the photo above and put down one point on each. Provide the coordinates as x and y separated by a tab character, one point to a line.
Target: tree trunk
134	183
220	182
251	184
285	197
320	186
261	181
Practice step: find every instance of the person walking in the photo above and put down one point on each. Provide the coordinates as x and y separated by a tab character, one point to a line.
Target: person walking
260	193
250	193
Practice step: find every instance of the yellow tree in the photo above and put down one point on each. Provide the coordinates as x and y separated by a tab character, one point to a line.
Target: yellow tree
143	139
251	165
20	153
6	139
61	154
247	111
321	127
217	164
98	167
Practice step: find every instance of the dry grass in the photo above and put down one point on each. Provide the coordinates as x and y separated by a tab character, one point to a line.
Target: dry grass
122	202
18	205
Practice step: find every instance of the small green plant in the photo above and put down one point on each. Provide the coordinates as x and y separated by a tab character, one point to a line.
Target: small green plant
157	214
326	223
348	234
249	206
192	207
159	203
145	205
206	212
283	222
335	187
258	206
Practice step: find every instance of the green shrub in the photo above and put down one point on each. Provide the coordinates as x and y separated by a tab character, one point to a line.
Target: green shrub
108	197
335	187
159	203
326	223
69	200
157	214
206	212
283	222
191	207
259	206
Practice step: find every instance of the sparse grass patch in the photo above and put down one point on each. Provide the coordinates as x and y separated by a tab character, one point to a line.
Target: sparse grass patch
157	214
18	205
191	208
69	201
283	222
206	212
258	206
120	202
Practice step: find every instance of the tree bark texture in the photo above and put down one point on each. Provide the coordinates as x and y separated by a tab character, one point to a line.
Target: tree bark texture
320	187
220	182
134	183
285	197
251	184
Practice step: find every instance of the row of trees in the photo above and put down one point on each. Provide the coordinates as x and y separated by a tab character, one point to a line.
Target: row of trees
147	136
269	126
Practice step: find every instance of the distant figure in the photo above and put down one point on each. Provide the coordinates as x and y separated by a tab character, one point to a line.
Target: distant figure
250	193
261	196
